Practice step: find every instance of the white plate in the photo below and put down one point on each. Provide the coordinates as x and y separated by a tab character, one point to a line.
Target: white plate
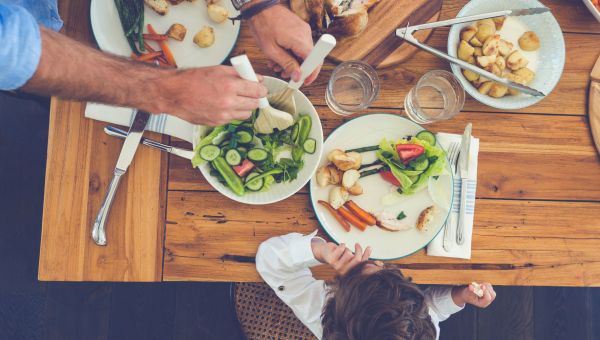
279	191
595	11
370	130
193	15
547	62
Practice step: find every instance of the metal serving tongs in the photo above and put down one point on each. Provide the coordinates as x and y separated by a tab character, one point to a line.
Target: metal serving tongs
406	33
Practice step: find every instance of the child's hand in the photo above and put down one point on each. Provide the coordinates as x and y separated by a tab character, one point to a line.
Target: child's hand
338	256
466	294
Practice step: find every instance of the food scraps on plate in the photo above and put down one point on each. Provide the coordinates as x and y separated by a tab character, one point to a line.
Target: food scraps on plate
407	164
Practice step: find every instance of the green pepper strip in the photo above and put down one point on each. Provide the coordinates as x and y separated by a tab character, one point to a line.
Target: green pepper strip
234	182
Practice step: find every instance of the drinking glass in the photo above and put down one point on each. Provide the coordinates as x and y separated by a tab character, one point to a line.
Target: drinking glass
352	88
437	96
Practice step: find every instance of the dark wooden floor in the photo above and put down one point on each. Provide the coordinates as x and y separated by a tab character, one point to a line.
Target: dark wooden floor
33	310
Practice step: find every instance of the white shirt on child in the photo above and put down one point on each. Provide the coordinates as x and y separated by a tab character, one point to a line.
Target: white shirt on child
284	262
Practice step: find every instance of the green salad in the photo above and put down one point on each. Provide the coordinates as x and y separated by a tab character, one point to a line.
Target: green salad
247	161
407	163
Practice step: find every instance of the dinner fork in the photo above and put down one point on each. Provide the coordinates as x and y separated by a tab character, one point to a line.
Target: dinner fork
453	152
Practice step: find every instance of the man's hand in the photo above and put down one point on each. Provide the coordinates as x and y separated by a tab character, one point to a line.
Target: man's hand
466	294
210	95
284	38
338	256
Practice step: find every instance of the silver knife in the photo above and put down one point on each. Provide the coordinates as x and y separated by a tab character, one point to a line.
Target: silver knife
463	164
187	154
127	152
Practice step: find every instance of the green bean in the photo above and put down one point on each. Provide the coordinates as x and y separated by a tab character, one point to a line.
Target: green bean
365	149
371	172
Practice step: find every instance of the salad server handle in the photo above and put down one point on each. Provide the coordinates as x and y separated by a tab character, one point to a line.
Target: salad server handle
324	45
462	213
243	67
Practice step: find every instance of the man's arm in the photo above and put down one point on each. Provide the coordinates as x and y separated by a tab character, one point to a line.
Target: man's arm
210	95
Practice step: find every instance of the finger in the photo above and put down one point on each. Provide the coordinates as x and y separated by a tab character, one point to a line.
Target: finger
487	298
286	61
313	76
338	252
252	89
367	254
347	257
358	252
245	104
240	115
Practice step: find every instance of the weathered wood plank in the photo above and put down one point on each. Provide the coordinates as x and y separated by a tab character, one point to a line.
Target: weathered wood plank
521	156
81	158
514	241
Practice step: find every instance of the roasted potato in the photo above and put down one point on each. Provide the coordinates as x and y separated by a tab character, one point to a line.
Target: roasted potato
468	33
485	29
470	75
471	60
177	32
516	61
529	41
493	68
499	22
485	87
501	63
217	13
486	60
205	37
480	81
478	52
505	47
465	50
475	42
526	74
490	47
497	90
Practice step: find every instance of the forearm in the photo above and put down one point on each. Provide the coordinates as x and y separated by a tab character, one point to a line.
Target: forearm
72	70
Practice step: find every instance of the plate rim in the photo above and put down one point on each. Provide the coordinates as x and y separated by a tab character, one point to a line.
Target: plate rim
321	222
93	23
484	99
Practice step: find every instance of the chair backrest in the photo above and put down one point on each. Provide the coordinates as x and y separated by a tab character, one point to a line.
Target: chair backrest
262	315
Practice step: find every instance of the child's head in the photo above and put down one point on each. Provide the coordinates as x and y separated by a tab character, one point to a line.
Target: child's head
376	303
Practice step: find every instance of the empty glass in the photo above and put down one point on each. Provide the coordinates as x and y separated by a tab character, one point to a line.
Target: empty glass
352	88
437	96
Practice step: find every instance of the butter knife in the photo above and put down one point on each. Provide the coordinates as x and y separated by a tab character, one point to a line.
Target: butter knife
127	152
463	163
187	154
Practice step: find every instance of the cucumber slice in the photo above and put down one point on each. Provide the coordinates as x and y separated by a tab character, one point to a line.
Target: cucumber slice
254	184
295	132
420	165
257	155
244	136
427	136
233	157
243	151
310	146
210	152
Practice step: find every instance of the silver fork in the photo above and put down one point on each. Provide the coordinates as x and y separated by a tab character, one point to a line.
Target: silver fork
453	152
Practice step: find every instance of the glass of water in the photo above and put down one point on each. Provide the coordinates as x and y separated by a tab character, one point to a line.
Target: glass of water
352	88
437	96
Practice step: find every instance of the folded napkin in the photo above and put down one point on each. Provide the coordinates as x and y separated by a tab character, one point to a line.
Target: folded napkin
161	123
435	248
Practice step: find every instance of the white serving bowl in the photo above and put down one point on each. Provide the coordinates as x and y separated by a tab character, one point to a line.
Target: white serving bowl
278	191
595	11
547	62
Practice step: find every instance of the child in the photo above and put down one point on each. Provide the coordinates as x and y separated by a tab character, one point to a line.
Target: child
367	300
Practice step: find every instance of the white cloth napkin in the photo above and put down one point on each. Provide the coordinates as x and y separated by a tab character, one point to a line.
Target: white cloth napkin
435	248
161	123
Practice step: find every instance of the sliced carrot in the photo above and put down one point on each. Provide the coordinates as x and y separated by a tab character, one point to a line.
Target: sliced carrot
156	37
149	47
165	48
335	214
362	214
148	56
350	217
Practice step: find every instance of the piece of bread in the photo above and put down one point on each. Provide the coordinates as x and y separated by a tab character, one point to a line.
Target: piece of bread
159	6
425	218
349	24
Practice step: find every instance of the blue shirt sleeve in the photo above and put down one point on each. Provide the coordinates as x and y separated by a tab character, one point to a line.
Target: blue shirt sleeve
21	46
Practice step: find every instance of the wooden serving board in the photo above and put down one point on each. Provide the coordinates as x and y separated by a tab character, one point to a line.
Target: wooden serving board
378	44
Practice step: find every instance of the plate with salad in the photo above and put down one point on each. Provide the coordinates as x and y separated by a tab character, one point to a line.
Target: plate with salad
257	168
172	33
385	182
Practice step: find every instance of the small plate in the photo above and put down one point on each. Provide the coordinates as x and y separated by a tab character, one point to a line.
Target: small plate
370	130
193	15
278	191
547	62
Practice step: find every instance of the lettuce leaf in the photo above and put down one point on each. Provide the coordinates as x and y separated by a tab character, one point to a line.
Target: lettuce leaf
197	160
405	182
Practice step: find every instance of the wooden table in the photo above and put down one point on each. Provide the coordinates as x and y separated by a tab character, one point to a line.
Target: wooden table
537	219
